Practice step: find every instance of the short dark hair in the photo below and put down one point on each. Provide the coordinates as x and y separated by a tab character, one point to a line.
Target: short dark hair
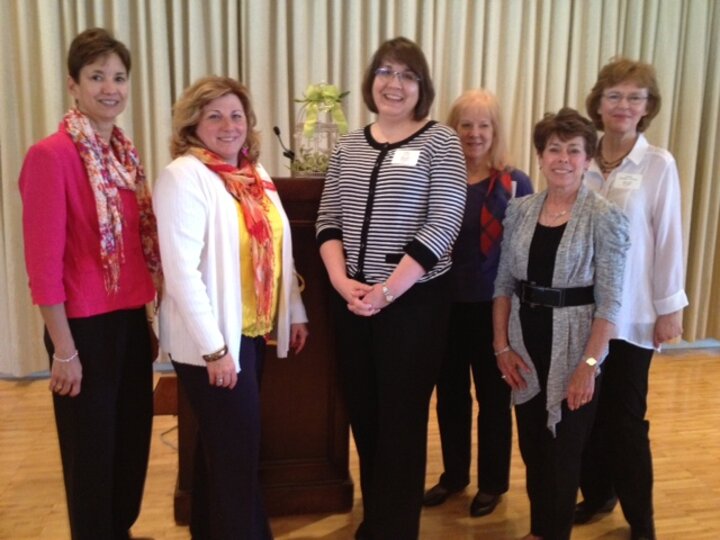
403	51
566	124
622	70
188	109
91	44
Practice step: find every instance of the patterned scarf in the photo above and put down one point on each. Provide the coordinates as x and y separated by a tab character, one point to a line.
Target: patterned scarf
493	210
246	186
110	167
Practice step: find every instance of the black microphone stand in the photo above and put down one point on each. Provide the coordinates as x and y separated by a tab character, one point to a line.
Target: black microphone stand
286	151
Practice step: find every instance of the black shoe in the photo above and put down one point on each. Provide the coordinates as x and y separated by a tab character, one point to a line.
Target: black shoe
438	494
646	533
585	511
483	504
362	533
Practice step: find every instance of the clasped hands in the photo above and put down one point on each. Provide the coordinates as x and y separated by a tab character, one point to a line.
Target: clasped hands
362	299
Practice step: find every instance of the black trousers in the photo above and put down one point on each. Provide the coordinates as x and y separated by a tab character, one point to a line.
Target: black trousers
388	366
617	458
104	431
552	464
471	349
226	495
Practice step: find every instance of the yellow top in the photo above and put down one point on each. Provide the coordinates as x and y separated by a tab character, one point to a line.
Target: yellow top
251	326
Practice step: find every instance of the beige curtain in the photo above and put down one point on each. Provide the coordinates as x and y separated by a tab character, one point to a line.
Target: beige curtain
536	55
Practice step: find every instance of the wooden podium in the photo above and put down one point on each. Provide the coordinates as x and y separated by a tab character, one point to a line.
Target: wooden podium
304	451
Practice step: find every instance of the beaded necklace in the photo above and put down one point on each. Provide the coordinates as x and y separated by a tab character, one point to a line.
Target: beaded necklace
607	166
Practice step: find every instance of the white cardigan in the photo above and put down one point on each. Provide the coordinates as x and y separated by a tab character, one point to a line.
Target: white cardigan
199	237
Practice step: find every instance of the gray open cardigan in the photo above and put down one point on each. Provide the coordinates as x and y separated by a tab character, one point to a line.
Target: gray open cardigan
591	252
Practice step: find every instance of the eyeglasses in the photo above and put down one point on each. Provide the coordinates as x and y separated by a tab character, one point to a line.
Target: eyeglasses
615	98
403	76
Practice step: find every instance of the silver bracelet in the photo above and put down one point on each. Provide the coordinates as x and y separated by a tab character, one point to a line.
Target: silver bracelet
503	351
66	360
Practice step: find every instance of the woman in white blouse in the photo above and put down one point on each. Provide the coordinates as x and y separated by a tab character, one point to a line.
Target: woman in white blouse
643	181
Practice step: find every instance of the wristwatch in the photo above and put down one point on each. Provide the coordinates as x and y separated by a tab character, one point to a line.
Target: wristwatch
590	361
389	297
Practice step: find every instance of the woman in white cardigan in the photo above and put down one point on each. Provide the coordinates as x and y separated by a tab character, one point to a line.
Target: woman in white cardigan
230	281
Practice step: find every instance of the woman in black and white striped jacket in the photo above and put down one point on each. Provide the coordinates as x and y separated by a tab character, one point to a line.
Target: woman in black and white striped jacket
391	209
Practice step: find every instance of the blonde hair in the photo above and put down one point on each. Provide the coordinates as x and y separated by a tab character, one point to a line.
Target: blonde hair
498	157
188	109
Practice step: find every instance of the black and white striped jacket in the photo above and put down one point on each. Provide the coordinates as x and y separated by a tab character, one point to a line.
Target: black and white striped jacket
385	200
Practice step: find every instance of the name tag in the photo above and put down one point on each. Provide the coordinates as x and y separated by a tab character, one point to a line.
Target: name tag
627	181
408	158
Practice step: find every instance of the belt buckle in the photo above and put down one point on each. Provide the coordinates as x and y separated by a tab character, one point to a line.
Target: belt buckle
535	295
553	297
530	293
524	288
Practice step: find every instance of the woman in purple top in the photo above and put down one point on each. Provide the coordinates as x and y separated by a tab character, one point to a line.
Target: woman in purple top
93	264
491	184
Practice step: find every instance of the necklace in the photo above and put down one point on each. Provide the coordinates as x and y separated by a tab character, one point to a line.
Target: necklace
607	165
552	217
557	214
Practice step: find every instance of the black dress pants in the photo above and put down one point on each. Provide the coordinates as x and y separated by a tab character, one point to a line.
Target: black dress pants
388	367
227	499
104	431
471	349
617	458
552	463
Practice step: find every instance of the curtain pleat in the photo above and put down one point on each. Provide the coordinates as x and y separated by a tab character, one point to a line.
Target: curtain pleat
536	55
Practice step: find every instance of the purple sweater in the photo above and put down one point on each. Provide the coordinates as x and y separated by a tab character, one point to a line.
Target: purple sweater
472	275
62	238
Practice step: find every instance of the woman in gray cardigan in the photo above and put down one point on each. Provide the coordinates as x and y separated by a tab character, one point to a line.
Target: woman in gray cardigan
557	295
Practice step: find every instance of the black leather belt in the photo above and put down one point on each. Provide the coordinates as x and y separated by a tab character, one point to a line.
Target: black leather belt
534	295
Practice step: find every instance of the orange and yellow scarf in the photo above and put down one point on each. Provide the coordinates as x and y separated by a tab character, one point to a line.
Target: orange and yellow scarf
246	186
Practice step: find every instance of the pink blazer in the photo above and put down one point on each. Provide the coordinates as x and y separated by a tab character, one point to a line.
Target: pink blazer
62	239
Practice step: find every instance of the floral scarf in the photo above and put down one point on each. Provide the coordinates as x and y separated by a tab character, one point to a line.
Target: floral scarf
110	167
246	186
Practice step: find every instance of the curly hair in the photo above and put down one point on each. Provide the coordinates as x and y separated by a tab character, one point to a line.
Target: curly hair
623	70
188	110
566	124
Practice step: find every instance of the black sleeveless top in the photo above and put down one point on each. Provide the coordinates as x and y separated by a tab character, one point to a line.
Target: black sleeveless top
537	322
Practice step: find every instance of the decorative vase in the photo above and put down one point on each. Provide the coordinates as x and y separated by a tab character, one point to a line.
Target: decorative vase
319	123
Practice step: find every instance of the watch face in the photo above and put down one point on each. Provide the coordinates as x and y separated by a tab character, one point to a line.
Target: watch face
386	292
